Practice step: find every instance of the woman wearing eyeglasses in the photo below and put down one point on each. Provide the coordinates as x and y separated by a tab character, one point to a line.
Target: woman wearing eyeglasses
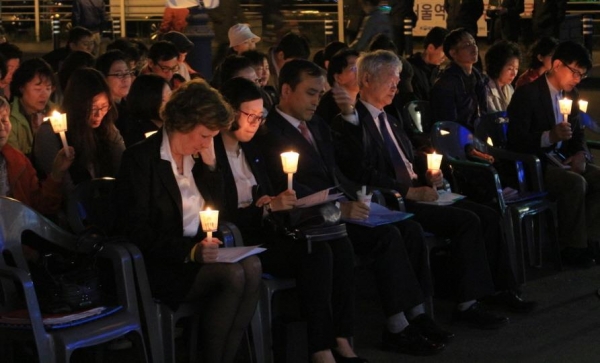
322	277
113	65
90	130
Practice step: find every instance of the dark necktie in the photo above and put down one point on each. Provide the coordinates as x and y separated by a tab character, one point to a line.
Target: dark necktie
400	169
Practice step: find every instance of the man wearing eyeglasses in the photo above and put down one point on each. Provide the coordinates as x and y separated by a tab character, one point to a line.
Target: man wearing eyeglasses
162	60
538	127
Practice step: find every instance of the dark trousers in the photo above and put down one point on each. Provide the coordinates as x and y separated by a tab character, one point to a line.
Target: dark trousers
325	283
478	253
399	264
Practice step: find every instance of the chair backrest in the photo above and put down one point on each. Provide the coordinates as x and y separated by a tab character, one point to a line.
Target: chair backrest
91	204
450	139
493	127
418	112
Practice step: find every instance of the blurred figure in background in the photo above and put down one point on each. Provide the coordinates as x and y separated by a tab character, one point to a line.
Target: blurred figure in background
13	56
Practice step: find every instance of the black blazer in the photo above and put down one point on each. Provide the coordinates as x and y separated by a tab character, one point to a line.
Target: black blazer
249	219
363	156
150	214
317	168
531	113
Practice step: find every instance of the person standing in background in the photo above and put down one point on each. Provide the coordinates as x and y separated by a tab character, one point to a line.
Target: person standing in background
401	9
90	14
548	15
463	14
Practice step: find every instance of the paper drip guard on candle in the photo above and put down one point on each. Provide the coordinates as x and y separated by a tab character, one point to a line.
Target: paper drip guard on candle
434	161
209	219
59	125
289	161
583	104
565	108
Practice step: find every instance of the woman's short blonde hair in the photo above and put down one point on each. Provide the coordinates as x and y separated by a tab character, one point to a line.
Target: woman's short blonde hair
196	103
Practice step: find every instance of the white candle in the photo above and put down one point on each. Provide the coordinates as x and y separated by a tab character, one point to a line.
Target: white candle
363	190
434	161
583	105
565	107
210	222
59	125
289	161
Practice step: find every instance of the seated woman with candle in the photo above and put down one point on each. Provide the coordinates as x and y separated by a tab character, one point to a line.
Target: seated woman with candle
502	65
90	130
163	184
149	92
18	178
249	198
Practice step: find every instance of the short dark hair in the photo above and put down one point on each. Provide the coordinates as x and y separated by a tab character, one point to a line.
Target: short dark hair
196	103
145	97
338	63
106	60
162	51
571	52
544	46
239	90
27	71
332	48
11	51
498	55
293	46
319	59
256	58
74	61
293	72
382	42
3	69
231	65
130	51
452	39
435	36
77	33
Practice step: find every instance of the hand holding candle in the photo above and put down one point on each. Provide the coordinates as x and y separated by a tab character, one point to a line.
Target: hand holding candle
210	222
59	125
289	160
565	108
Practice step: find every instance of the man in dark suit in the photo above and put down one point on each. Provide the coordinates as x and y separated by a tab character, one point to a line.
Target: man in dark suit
401	273
372	148
538	127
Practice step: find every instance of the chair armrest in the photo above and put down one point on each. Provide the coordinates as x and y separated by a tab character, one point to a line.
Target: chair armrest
593	144
533	166
24	279
478	181
389	198
232	237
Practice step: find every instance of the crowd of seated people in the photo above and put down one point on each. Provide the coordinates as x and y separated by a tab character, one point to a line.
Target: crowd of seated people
177	143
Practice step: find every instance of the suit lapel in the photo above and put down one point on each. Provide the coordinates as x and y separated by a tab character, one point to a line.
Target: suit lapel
546	102
165	172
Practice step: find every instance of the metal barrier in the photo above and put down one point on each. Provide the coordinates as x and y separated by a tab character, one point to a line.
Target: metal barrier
587	22
408	37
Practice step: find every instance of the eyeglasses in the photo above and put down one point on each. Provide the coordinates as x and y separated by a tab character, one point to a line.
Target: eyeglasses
121	75
576	73
97	111
169	69
253	119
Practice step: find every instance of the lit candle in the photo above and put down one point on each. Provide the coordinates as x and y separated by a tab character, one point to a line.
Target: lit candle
59	125
434	161
210	222
565	107
289	160
583	105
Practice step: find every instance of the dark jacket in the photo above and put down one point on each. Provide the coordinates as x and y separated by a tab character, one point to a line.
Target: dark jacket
531	113
149	209
463	14
90	14
424	75
363	156
458	97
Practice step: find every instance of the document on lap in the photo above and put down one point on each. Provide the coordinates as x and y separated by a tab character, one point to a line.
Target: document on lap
446	198
379	215
235	254
320	197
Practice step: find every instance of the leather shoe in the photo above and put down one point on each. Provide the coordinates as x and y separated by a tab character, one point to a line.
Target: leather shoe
409	341
512	301
341	359
477	317
428	328
577	257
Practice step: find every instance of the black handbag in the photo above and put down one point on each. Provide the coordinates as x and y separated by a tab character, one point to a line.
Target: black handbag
67	281
292	222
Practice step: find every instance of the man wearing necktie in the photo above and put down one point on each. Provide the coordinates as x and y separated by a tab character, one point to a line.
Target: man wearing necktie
538	127
372	148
